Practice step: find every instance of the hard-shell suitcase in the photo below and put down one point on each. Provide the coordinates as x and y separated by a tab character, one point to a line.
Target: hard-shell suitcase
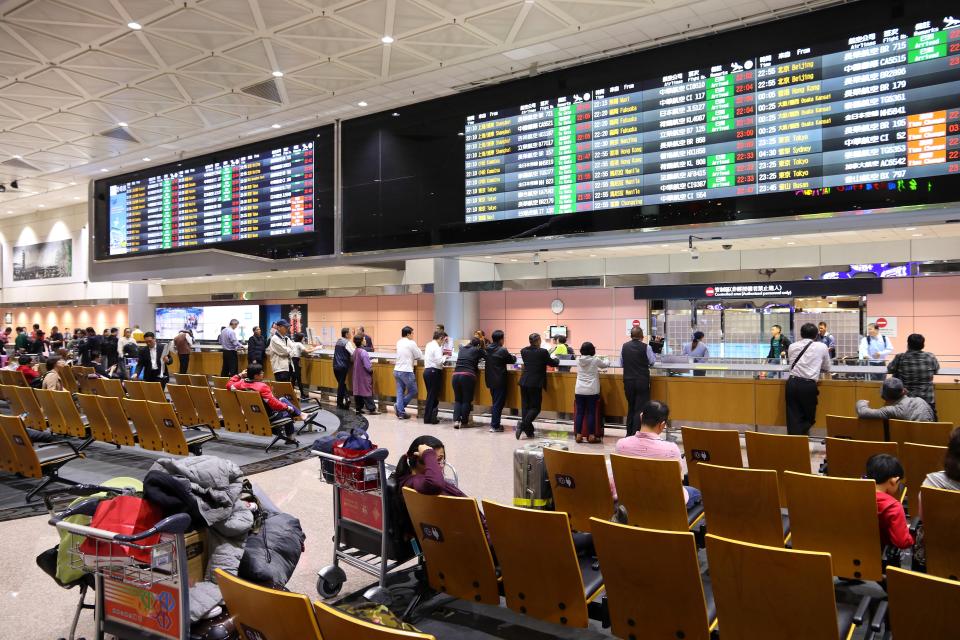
531	485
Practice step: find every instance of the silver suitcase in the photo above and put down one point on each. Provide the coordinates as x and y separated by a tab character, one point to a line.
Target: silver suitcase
531	485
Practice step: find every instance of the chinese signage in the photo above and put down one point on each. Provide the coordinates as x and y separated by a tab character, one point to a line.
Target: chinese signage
771	289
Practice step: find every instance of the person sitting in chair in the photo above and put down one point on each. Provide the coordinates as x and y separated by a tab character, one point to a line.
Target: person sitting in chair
29	373
896	404
251	379
421	469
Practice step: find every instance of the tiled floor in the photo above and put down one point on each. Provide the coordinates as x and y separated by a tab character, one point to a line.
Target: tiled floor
35	608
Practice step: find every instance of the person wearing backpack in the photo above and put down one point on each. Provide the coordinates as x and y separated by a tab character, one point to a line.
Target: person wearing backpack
807	359
874	348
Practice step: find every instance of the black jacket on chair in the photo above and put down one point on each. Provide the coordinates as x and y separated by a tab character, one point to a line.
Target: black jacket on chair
495	372
535	363
144	364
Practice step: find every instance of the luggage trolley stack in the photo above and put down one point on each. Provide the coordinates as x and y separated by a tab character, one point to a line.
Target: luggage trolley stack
140	580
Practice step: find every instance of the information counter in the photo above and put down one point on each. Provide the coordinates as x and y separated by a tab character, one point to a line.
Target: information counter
710	399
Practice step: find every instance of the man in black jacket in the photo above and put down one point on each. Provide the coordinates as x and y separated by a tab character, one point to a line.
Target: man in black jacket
533	381
151	362
92	342
109	348
495	375
636	357
341	366
256	347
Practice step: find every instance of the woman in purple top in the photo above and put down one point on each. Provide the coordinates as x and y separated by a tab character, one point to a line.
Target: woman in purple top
421	468
362	378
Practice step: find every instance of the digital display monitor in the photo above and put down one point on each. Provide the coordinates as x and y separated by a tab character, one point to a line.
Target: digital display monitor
259	196
853	107
206	322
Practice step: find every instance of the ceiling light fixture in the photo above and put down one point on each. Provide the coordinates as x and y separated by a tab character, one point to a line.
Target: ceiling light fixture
362	103
18	157
395	114
791	242
908	228
775	238
103	170
278	74
122	124
275	126
386	40
41	205
146	159
136	26
917	235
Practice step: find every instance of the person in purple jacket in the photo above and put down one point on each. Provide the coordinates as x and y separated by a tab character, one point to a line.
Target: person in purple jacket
362	378
421	468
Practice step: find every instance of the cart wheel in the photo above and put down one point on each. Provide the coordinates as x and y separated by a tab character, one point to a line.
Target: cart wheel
328	589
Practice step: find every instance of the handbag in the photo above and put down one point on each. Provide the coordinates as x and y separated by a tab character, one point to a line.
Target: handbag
126	515
362	476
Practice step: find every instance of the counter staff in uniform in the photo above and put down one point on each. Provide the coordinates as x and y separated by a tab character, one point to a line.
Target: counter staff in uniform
827	338
636	357
874	348
807	358
229	344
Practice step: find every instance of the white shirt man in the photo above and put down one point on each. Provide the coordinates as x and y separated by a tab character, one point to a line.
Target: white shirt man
407	355
433	355
806	360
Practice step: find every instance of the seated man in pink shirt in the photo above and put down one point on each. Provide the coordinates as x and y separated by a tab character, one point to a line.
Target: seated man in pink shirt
646	443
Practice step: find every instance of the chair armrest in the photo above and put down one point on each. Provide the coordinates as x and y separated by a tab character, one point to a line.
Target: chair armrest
877	622
861	613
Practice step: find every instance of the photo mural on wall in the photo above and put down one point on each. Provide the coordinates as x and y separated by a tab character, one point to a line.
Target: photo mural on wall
43	261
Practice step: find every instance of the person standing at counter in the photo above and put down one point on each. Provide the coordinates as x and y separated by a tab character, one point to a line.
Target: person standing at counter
874	348
447	344
279	351
495	375
366	341
533	381
587	394
827	338
297	349
808	358
362	378
341	366
56	339
916	368
697	350
779	343
465	380
229	345
636	358
183	344
126	348
433	357
407	355
256	347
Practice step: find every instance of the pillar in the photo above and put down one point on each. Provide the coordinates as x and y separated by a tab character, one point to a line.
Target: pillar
140	311
457	311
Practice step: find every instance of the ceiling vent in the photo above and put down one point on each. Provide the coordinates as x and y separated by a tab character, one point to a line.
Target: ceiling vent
215	297
569	283
266	90
120	133
17	163
311	293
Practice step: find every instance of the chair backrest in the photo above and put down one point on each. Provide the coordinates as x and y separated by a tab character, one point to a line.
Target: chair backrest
153	391
336	624
171	432
918	460
538	562
285	388
135	390
68	380
715	446
838	516
941	522
110	387
779	453
24	455
183	403
99	427
206	409
640	602
254	412
182	378
5	377
84	383
51	411
198	380
71	416
742	504
922	606
854	428
266	613
770	592
230	410
848	458
8	457
116	417
651	491
31	407
936	434
580	485
454	546
147	432
10	394
219	382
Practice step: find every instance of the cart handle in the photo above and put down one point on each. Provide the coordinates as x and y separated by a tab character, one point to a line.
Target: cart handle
376	455
177	523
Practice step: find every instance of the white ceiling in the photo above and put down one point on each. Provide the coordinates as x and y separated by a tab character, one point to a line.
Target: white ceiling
71	70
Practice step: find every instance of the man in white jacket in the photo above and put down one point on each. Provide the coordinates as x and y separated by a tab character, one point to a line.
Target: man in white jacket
279	352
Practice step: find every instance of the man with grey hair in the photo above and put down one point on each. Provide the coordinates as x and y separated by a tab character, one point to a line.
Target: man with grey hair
897	404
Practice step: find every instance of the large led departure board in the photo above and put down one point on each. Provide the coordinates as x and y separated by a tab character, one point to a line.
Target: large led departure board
256	196
879	112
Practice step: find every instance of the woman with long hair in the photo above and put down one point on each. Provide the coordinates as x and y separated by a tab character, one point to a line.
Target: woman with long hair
421	468
697	349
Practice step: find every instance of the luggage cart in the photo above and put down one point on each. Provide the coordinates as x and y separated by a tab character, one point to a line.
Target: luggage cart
134	600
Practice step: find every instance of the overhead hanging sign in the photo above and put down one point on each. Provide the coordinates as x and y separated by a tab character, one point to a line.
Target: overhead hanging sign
770	289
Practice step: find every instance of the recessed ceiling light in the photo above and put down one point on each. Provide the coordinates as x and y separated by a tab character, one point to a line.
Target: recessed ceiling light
313	273
569	251
269	276
73	184
664	245
103	170
366	270
18	157
684	250
9	210
791	243
275	126
77	198
278	74
487	257
593	255
775	238
513	259
146	159
41	205
460	133
917	235
122	124
908	228
386	40
136	26
362	103
395	114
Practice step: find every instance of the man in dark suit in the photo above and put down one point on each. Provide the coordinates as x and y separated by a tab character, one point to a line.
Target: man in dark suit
636	358
495	374
151	361
533	381
90	343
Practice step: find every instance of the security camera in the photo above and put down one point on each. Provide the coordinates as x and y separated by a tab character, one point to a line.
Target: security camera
727	247
694	254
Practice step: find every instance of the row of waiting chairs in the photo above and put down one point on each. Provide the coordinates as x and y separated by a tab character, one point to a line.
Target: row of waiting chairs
652	579
899	431
19	456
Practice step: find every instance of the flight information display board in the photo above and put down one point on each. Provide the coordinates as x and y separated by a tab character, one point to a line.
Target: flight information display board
879	112
254	196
